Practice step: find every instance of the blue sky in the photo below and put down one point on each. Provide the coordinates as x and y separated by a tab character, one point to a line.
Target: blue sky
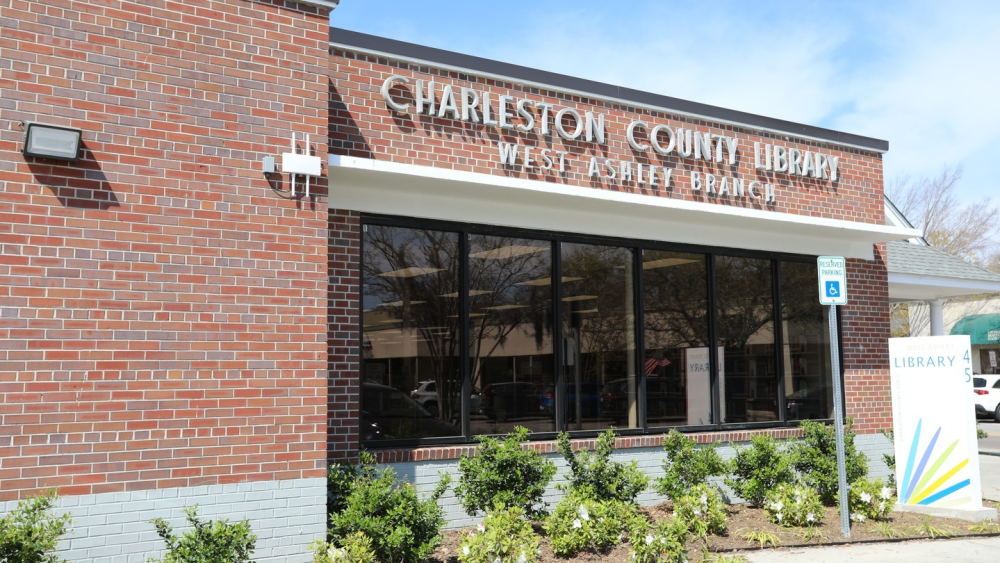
922	75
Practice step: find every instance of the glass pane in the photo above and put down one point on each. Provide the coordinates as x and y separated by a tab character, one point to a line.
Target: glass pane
410	372
675	317
805	323
599	328
510	333
745	327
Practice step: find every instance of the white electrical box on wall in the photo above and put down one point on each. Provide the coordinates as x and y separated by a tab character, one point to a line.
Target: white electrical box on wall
306	165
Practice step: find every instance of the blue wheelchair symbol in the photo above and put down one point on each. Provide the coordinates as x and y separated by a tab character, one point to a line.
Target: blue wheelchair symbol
833	289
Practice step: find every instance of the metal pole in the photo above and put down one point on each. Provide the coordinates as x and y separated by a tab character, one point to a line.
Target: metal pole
838	421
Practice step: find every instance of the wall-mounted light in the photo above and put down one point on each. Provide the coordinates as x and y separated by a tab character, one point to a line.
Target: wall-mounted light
51	141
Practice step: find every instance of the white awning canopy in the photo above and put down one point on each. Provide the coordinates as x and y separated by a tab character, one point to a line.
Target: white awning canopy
374	186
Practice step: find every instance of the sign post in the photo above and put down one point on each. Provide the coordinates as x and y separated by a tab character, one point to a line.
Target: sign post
832	272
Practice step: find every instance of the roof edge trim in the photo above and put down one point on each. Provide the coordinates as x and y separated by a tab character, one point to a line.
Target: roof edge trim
431	56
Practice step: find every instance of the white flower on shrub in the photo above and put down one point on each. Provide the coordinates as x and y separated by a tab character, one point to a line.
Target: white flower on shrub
577	524
810	517
865	497
778	516
649	539
465	550
481	526
778	505
583	512
522	558
335	553
886	493
704	498
881	506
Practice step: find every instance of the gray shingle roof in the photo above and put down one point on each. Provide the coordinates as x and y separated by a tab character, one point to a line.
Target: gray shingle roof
916	259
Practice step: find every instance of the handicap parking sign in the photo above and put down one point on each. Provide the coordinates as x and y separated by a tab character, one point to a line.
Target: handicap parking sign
832	272
833	289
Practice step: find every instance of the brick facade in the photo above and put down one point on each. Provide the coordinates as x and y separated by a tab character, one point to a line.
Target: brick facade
161	304
362	125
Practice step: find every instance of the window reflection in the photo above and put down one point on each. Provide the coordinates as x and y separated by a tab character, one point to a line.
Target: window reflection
599	328
410	381
510	333
675	318
745	328
806	346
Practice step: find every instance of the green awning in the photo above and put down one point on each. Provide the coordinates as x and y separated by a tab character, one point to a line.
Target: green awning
982	329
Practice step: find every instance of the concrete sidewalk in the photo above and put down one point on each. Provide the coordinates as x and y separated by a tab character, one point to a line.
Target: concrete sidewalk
975	550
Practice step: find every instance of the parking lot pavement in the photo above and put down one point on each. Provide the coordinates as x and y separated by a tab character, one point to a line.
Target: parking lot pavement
990	444
976	550
989	473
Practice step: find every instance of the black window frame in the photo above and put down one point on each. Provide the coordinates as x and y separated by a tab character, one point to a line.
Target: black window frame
636	246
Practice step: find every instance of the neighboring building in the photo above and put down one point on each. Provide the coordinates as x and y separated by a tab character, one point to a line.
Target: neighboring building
945	294
178	327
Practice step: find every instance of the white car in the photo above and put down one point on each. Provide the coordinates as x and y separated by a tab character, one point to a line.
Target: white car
426	394
987	390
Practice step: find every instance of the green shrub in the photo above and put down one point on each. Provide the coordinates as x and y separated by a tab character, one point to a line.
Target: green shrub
215	541
580	522
870	500
702	511
758	468
663	543
355	548
402	528
794	505
30	532
341	479
505	536
815	458
504	472
686	465
890	459
594	475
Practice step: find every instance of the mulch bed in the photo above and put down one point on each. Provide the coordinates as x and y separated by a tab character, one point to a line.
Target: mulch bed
742	518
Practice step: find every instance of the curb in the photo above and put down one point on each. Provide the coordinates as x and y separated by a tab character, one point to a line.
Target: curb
995	454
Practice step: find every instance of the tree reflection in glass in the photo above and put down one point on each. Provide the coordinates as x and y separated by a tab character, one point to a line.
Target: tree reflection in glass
745	329
675	318
410	372
806	346
510	332
599	327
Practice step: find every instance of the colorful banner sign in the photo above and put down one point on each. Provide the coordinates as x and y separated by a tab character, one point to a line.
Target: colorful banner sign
937	456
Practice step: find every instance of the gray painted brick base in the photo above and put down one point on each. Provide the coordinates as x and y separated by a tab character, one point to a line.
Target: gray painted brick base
115	527
425	474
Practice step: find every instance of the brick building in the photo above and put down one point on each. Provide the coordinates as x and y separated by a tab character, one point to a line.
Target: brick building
486	246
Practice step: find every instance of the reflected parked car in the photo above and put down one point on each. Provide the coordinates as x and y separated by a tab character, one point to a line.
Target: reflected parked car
504	401
426	394
810	403
389	414
589	400
987	390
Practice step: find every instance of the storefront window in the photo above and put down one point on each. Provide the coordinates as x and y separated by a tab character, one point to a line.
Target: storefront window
806	346
410	384
599	329
675	321
510	334
748	376
476	307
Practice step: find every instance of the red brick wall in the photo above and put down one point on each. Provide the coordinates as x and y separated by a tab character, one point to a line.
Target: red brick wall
344	407
865	329
363	126
161	307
